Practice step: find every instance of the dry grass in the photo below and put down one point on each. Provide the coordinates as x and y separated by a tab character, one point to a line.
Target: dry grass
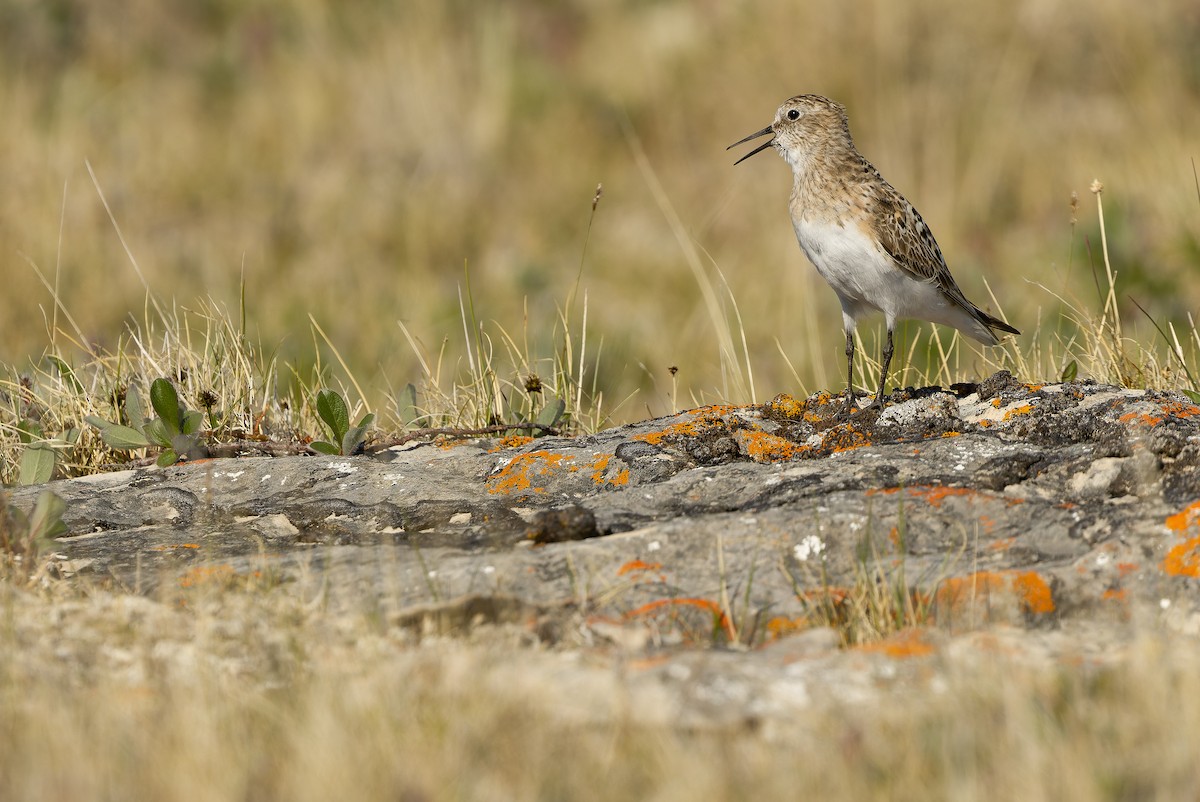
349	162
404	193
262	695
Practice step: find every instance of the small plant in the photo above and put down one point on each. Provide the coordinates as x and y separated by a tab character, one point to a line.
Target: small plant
23	538
40	453
345	440
880	603
175	430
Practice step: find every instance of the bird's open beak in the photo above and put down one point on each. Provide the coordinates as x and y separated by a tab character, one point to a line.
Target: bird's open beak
755	135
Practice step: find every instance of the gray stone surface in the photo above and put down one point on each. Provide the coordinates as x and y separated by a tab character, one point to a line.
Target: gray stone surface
1057	509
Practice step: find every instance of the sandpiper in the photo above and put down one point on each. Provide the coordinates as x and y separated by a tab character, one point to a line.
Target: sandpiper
865	239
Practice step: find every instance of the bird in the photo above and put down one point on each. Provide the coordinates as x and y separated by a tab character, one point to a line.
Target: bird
864	238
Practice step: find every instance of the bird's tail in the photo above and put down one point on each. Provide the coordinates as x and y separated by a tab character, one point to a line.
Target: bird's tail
993	323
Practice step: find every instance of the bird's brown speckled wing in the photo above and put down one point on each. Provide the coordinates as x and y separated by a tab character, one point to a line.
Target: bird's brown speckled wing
908	240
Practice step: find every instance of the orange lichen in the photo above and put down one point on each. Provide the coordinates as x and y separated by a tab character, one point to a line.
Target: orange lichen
833	595
209	575
1024	409
519	473
638	565
846	438
786	406
1185	519
936	494
781	625
512	441
906	643
1030	590
954	591
1125	569
451	443
996	403
763	447
1183	559
1177	409
1033	388
173	546
1035	593
599	469
1003	544
698	422
1171	409
703	604
1140	417
985	423
1115	594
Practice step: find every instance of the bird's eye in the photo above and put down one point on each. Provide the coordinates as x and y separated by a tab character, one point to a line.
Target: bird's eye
793	114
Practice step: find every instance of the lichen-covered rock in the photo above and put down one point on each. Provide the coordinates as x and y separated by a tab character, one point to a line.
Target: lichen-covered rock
1073	499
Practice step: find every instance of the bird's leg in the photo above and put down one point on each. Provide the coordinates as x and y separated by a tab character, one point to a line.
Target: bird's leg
850	405
883	375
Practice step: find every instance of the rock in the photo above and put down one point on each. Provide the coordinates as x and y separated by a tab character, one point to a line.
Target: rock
1047	508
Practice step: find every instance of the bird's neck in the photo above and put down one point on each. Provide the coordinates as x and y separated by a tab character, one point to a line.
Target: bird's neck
814	167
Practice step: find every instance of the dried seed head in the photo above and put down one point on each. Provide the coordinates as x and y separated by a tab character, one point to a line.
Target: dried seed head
533	383
1096	187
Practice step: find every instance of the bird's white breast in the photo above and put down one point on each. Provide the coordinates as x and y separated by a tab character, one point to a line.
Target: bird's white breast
850	261
867	279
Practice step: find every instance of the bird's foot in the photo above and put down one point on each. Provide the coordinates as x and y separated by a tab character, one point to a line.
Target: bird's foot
849	406
871	410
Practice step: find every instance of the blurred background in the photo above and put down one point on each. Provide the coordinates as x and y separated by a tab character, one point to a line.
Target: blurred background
356	161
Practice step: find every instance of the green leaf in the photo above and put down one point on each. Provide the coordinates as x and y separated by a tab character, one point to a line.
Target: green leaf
28	431
123	437
188	445
552	413
406	405
37	464
332	410
98	422
324	448
71	436
1070	371
167	458
45	522
192	420
357	436
1192	394
156	433
68	375
165	401
133	409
